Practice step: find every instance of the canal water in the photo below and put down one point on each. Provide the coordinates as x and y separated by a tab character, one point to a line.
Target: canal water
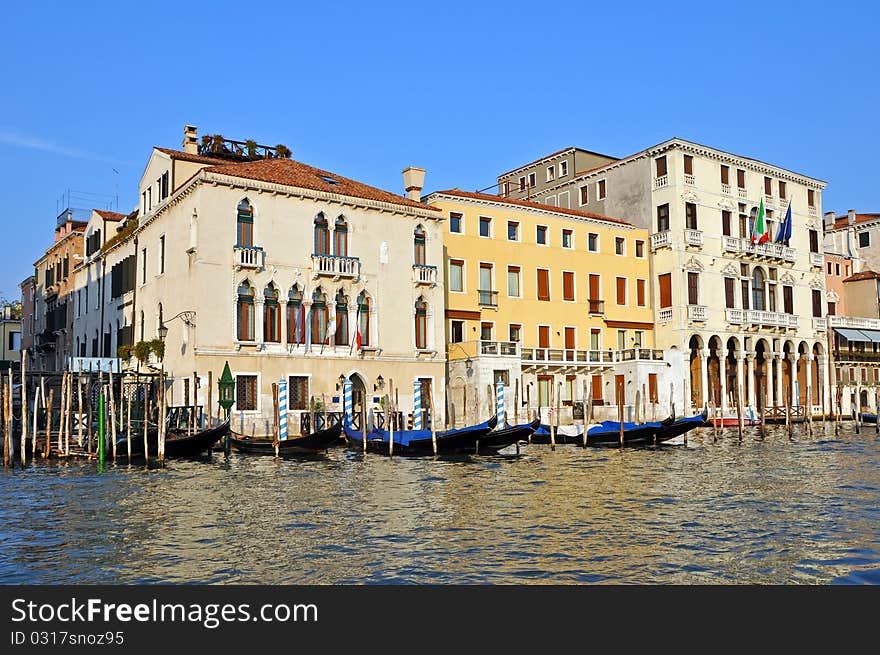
805	511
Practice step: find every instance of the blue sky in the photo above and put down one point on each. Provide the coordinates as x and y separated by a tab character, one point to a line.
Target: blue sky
465	90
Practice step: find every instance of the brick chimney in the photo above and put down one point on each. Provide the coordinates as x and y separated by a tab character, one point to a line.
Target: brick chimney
190	139
851	216
413	182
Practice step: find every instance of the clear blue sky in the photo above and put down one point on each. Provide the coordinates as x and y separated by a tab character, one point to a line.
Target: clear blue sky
465	90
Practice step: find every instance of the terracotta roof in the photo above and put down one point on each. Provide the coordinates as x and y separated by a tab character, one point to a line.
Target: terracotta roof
185	156
296	174
532	205
110	216
843	221
864	275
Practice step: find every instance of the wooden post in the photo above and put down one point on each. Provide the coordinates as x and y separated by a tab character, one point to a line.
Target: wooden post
528	393
49	424
61	413
588	413
858	409
79	404
433	423
7	423
644	404
276	422
620	400
146	421
195	398
464	404
127	422
312	427
638	404
6	440
552	418
34	418
762	430
788	421
837	414
714	420
739	418
516	403
24	418
364	420
89	409
672	399
162	413
68	411
390	425
209	421
112	415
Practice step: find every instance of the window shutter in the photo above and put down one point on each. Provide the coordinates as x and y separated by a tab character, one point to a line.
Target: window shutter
665	282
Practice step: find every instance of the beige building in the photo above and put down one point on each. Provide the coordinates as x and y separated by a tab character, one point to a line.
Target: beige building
10	336
276	267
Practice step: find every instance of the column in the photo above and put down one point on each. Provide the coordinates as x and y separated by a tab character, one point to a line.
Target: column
768	380
722	378
792	358
825	375
809	403
779	402
750	363
704	376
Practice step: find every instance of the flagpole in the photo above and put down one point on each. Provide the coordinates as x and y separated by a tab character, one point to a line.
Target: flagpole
357	317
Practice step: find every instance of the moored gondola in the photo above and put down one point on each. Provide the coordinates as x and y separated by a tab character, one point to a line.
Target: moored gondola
177	443
681	426
607	433
306	444
418	443
497	440
867	417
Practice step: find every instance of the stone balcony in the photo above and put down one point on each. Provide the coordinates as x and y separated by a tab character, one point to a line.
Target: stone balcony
335	266
760	318
424	275
661	240
249	257
660	182
854	322
697	313
587	358
820	324
817	259
769	250
693	238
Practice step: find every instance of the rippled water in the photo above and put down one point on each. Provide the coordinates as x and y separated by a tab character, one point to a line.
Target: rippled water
806	511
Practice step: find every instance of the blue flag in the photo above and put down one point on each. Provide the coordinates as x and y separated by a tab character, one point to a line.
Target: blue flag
783	234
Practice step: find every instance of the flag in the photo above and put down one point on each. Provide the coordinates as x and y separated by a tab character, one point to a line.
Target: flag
784	233
358	339
759	231
331	325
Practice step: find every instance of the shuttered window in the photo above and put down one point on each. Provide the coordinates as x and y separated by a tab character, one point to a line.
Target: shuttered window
543	336
661	166
693	288
568	285
787	300
597	388
621	291
640	293
665	284
817	303
729	292
543	284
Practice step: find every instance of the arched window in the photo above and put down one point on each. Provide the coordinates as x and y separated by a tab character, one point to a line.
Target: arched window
245	236
245	313
322	236
320	314
341	336
419	258
340	237
758	289
271	315
296	317
363	317
421	324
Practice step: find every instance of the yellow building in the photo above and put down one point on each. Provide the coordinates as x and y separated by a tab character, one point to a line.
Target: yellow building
548	300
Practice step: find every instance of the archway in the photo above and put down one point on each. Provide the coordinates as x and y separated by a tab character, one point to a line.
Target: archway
803	399
714	369
787	352
730	350
818	354
762	374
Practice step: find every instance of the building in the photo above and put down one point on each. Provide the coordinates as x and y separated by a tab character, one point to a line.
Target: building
252	258
856	234
736	314
27	312
548	301
53	285
530	181
10	336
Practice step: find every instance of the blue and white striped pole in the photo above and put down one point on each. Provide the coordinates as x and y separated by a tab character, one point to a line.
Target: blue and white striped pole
500	412
348	404
282	410
417	405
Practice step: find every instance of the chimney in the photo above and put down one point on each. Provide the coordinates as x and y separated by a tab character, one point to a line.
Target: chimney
830	217
413	182
190	139
851	216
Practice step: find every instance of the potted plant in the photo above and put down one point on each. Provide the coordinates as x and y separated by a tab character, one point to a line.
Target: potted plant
282	151
124	352
157	347
141	351
251	146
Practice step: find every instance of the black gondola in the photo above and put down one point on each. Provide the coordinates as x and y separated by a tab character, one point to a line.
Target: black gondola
500	439
177	443
306	444
418	443
682	425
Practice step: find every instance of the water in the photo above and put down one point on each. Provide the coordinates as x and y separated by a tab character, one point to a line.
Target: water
805	512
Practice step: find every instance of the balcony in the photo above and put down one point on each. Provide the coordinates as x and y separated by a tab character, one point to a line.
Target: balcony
335	266
660	182
811	210
588	358
596	306
693	238
725	189
771	250
735	316
731	244
769	201
859	356
499	348
488	298
664	315
689	179
423	274
761	318
817	259
741	193
661	240
697	313
249	257
819	324
854	322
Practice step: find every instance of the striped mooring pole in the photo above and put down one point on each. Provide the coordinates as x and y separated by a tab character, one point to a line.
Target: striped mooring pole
348	404
282	410
499	404
417	405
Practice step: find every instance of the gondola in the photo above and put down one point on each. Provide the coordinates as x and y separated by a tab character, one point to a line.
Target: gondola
867	417
417	443
565	434
681	426
177	443
607	433
306	444
498	440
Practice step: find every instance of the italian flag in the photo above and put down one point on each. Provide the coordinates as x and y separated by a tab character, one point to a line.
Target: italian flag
759	231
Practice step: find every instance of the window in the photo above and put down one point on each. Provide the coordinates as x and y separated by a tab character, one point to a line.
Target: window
828	267
532	180
846	268
621	339
541	235
543	284
419	256
814	241
743	221
144	268
811	198
640	249
512	231
456	331
551	173
690	216
570	341
729	292
663	217
660	165
163	186
485	226
596	389
768	186
787	300
455	222
506	188
245	314
740	178
638	338
298	393
781	190
522	183
486	331
245	224
595	338
322	235
593	242
837	269
246	393
296	317
693	281
725	223
563	168
543	336
514	332
640	293
319	316
513	282
568	286
340	237
566	238
621	290
271	316
363	320
421	324
725	174
619	246
161	254
688	165
600	190
664	282
341	336
585	194
456	275
487	297
758	289
817	303
864	239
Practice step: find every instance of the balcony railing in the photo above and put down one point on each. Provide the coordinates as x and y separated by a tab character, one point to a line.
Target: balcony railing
697	312
595	306
664	315
693	238
740	193
735	316
759	317
661	240
423	274
660	182
731	244
842	356
249	256
336	266
817	259
488	298
499	348
811	210
725	189
854	322
773	250
572	357
819	324
689	179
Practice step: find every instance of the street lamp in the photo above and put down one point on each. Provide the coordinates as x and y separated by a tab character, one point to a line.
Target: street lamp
187	317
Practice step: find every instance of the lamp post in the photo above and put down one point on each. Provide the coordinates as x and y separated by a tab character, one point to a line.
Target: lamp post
226	392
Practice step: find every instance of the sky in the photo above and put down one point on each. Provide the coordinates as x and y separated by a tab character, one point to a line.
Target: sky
466	90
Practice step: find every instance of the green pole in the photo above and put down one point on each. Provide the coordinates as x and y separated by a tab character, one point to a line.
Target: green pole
101	429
